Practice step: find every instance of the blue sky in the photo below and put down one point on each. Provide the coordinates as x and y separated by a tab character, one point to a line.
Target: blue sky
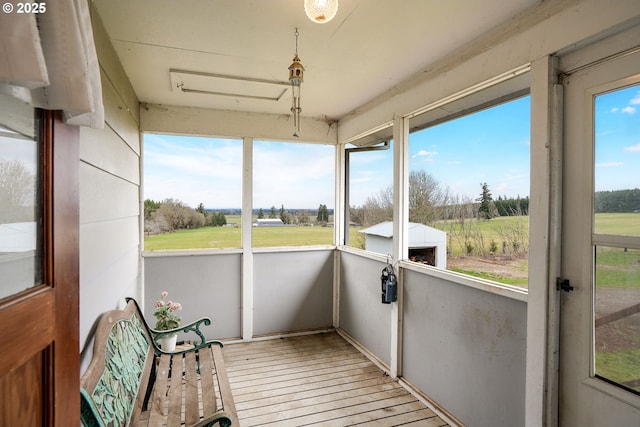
617	136
193	170
209	170
489	146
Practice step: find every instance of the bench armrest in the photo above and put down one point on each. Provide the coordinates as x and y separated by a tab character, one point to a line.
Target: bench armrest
190	327
220	417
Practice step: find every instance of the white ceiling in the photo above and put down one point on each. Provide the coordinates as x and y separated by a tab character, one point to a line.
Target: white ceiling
367	49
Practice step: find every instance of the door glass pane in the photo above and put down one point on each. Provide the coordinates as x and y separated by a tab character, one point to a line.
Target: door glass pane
20	218
616	217
617	316
617	162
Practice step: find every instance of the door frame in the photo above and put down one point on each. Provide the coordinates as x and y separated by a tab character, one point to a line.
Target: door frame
45	319
584	399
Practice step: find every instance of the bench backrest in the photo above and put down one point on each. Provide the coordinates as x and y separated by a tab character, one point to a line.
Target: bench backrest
114	385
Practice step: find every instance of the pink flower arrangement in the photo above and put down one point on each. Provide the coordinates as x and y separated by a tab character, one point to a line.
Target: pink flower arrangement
164	313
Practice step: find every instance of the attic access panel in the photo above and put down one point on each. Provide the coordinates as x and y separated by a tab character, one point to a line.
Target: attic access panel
226	85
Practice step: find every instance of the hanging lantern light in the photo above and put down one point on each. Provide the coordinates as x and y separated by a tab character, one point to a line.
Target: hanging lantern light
321	11
296	77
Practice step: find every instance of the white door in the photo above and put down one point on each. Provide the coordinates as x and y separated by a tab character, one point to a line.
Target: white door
599	370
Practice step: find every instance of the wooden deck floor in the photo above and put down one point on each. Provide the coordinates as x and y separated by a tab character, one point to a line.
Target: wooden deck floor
317	380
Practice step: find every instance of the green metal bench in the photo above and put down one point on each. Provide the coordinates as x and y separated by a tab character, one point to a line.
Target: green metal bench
130	381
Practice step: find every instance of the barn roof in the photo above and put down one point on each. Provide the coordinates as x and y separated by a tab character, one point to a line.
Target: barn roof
385	229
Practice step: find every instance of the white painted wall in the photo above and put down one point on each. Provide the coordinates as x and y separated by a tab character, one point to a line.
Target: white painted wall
466	349
292	290
109	197
206	284
362	314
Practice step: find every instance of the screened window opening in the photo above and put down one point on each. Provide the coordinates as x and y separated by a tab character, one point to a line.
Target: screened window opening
469	193
293	194
192	192
369	195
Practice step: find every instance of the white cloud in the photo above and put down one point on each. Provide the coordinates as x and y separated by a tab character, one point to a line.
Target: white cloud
454	162
609	164
629	110
615	109
425	153
635	100
632	148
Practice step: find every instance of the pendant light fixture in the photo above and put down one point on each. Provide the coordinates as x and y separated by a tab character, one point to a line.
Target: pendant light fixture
296	77
321	11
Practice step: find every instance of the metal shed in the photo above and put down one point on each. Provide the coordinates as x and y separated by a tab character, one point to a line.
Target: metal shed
426	244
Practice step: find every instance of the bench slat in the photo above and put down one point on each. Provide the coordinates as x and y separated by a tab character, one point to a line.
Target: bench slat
175	392
223	380
158	410
191	389
206	375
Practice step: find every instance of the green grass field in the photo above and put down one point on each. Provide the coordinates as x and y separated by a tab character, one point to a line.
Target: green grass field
617	267
230	237
619	366
625	224
497	230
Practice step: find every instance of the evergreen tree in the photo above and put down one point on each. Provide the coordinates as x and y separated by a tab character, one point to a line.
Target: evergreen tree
272	213
487	210
260	214
150	207
323	214
285	216
219	219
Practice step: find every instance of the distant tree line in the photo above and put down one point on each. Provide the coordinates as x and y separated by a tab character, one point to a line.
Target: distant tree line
296	216
170	215
509	206
617	201
431	204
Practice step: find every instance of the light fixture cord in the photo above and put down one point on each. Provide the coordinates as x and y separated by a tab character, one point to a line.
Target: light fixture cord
296	34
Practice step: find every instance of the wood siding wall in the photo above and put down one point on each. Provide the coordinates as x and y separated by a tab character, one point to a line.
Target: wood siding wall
110	179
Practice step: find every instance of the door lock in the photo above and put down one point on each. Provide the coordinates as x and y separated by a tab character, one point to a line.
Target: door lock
563	285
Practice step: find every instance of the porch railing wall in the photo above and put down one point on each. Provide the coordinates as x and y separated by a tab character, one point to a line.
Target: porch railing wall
292	291
465	348
205	284
361	313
